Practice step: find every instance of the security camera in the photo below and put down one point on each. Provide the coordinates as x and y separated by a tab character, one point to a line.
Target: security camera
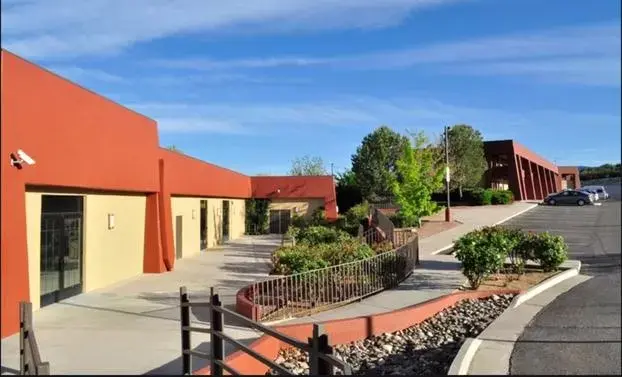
25	158
21	158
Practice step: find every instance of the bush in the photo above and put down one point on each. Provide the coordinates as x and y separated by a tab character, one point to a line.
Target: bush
303	257
401	222
383	247
317	234
289	260
299	221
549	251
358	213
482	197
502	197
482	252
318	217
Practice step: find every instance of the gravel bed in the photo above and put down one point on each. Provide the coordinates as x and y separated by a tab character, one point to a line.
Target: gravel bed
426	348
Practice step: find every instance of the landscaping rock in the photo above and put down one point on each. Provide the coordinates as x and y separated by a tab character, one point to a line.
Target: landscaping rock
426	348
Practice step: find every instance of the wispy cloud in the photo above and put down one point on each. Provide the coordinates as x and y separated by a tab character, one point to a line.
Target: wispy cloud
586	55
79	74
69	28
365	113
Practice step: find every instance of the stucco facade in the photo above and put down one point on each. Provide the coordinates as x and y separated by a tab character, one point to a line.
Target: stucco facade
131	190
512	166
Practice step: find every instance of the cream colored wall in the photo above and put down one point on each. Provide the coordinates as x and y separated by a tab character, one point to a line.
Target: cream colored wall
33	240
301	207
237	208
109	255
191	242
112	255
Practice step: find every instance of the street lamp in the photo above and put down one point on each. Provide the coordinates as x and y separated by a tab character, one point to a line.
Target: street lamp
448	208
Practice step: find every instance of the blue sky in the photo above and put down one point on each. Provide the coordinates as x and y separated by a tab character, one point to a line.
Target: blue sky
250	85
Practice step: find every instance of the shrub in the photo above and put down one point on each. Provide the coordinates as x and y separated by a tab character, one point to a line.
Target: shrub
299	221
502	197
482	196
344	251
401	222
383	247
358	213
303	257
289	260
318	217
549	251
317	234
482	252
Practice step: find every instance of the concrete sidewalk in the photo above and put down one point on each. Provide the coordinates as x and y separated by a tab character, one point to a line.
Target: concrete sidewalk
133	327
437	275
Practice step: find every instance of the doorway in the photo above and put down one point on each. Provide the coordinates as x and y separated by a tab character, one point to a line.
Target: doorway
179	235
203	224
225	220
280	220
61	247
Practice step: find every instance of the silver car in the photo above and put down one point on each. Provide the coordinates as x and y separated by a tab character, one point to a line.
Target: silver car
599	190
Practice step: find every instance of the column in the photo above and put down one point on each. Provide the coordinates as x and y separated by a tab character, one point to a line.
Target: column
529	181
538	178
514	178
521	178
547	181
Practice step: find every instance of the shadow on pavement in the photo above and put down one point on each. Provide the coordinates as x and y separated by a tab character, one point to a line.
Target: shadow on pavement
174	367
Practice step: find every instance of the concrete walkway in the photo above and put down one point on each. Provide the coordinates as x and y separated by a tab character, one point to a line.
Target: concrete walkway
437	275
133	327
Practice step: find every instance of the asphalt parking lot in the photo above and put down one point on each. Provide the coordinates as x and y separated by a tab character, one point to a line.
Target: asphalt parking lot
579	332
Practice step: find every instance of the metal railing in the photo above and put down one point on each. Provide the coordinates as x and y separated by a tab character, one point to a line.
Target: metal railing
321	359
313	291
29	358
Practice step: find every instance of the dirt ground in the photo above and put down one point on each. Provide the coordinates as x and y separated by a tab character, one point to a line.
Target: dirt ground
434	224
530	278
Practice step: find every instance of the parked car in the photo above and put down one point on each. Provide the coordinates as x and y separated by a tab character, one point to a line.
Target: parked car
577	197
599	190
593	194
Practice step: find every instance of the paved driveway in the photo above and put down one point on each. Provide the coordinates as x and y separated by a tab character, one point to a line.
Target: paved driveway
579	332
133	327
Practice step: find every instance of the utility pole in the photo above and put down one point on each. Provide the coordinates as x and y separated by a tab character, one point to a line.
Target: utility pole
448	207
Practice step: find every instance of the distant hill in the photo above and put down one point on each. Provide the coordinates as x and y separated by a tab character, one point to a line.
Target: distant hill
588	173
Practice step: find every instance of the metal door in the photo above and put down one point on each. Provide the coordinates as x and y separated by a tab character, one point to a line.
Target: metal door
61	256
203	224
179	236
225	220
280	220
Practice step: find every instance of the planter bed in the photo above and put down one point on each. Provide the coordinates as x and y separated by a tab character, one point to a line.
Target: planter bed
428	347
508	280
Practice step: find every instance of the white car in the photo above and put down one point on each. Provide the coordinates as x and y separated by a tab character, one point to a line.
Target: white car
599	191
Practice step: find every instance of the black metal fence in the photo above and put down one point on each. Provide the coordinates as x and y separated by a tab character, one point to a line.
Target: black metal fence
29	358
321	359
321	289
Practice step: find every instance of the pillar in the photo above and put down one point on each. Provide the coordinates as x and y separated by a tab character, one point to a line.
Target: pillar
539	187
529	181
514	178
521	178
547	182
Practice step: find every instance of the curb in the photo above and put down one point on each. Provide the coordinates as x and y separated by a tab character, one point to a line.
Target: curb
462	361
451	245
469	349
572	271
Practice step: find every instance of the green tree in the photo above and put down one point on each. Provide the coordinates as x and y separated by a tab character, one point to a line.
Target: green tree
467	162
308	165
374	162
348	192
418	175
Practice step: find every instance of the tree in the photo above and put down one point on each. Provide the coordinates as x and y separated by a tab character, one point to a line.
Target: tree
173	148
467	162
308	165
374	162
348	192
418	175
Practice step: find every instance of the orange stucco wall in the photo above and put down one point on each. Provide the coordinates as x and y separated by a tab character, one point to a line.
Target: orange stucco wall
271	187
81	140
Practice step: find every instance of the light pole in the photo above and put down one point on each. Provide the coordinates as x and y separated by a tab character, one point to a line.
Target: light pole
448	208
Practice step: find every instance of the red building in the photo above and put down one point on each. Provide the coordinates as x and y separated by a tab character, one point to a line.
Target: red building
570	177
103	201
513	167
